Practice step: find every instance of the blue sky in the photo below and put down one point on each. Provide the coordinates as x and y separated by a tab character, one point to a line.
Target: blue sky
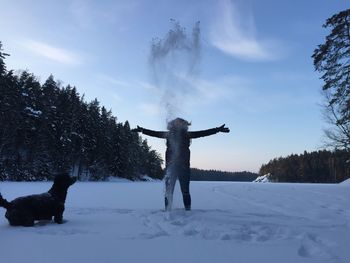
255	72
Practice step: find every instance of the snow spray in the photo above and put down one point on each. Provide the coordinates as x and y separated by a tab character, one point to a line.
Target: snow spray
174	62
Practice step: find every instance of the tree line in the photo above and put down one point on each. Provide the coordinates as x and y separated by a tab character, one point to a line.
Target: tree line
314	167
215	175
48	128
331	60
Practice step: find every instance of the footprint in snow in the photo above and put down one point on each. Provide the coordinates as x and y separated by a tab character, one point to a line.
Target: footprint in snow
313	246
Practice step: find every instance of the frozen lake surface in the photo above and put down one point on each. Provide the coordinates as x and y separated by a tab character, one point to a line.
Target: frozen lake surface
229	222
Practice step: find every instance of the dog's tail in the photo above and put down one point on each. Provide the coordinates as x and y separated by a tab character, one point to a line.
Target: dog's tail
4	203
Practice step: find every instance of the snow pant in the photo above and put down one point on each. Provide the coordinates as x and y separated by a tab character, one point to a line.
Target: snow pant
183	174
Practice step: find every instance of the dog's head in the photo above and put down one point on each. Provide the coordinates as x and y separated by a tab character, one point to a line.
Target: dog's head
63	180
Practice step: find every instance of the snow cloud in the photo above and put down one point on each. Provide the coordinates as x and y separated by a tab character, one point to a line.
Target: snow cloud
50	52
174	62
234	33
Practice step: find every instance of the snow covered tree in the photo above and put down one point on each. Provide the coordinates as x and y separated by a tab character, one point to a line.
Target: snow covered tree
332	59
2	62
48	128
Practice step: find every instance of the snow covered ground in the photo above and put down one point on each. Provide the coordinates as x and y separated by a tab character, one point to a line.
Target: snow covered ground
230	222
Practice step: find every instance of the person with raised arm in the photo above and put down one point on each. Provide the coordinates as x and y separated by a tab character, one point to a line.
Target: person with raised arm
177	156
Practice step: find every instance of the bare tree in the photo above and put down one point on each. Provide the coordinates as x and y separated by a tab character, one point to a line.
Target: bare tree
332	59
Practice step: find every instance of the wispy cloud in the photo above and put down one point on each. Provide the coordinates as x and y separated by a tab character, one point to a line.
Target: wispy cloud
122	88
147	86
90	15
50	52
114	81
127	83
116	97
234	33
242	94
150	109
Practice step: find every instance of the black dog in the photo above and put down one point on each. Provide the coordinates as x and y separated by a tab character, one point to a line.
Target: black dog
23	211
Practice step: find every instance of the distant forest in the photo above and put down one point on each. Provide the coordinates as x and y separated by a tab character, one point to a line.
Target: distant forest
214	175
314	167
47	128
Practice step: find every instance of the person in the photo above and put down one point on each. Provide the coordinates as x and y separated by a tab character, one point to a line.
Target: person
177	156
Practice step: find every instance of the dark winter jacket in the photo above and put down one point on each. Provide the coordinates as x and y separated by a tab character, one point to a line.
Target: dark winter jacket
178	144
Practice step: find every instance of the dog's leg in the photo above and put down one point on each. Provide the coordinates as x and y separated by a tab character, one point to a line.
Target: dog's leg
58	217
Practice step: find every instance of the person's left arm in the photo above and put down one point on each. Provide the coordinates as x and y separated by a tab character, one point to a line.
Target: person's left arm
208	132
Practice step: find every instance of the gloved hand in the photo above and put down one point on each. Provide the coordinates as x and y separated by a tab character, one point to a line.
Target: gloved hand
137	129
222	128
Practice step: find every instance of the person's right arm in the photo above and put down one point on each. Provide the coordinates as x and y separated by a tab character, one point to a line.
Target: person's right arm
158	134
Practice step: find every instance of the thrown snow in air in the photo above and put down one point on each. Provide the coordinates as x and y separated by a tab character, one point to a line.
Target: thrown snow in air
174	63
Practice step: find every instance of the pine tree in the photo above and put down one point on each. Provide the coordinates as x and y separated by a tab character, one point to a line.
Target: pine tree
332	59
2	62
45	129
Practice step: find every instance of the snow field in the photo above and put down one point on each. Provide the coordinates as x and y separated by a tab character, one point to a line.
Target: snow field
230	222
